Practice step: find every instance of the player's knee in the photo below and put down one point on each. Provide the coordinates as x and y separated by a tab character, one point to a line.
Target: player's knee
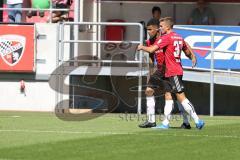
149	92
180	96
168	96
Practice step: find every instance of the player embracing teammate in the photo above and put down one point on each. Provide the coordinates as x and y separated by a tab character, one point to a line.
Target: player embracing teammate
171	44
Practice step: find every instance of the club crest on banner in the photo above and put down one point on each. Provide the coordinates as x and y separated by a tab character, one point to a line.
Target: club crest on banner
12	48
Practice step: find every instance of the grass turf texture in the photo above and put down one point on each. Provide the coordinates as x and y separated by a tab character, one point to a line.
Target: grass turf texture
41	136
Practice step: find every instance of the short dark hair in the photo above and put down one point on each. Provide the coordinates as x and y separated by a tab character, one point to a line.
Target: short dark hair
168	20
154	22
156	8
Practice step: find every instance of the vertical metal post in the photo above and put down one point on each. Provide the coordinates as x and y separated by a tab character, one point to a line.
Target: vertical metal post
95	28
73	96
81	11
57	63
212	77
139	109
77	18
99	28
61	83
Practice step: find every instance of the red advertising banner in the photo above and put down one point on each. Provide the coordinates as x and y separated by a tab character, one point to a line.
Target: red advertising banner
17	49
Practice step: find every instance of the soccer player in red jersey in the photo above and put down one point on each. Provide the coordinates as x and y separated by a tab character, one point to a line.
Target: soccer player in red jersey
157	81
173	44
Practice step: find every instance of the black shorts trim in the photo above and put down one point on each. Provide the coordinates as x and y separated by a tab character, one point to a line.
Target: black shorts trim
176	84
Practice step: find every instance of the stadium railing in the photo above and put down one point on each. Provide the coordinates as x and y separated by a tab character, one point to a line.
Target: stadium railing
212	51
139	61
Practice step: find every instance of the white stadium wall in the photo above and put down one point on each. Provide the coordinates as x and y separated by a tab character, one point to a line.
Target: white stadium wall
86	48
46	48
39	96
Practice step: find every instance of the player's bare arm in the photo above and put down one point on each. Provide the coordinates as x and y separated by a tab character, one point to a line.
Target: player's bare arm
190	54
150	49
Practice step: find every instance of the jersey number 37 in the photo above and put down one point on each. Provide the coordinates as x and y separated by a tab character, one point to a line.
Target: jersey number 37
177	52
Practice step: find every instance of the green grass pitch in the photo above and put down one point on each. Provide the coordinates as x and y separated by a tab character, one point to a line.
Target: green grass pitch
42	136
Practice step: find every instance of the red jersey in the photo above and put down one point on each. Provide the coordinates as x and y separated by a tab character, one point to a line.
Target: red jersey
172	45
158	55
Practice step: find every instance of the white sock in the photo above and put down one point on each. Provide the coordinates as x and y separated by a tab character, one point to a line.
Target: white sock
151	109
167	111
187	105
183	113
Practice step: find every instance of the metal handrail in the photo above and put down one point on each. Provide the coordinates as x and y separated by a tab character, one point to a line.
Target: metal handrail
213	50
103	61
215	70
92	41
104	23
61	41
206	30
35	9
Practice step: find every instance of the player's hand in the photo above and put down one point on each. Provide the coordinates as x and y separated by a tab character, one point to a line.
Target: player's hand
194	61
139	47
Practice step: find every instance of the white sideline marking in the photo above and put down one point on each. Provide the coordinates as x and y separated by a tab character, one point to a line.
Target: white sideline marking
10	117
120	133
